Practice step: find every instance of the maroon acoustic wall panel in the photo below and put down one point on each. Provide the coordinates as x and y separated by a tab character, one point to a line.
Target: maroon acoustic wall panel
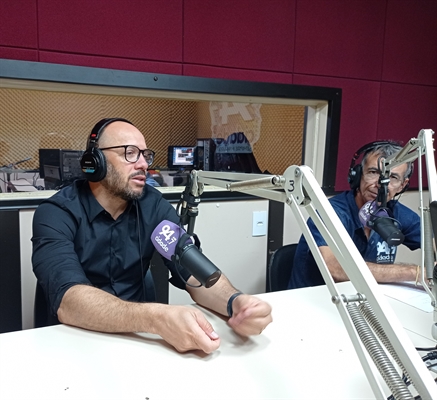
252	34
238	74
111	63
410	47
14	53
136	29
405	109
18	24
340	38
359	117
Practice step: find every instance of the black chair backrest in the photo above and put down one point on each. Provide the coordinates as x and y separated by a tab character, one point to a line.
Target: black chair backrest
280	266
41	311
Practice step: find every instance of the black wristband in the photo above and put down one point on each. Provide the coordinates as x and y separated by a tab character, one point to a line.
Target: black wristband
230	301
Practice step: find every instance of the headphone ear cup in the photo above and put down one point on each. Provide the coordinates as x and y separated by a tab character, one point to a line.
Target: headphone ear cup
93	164
354	177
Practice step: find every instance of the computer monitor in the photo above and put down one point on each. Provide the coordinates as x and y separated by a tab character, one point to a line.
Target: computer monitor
181	157
52	177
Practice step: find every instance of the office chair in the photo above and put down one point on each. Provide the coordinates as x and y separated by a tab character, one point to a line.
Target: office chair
41	311
280	266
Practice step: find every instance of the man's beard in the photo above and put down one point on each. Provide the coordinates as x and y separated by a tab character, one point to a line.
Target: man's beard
113	183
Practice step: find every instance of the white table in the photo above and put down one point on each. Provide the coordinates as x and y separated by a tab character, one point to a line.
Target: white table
304	354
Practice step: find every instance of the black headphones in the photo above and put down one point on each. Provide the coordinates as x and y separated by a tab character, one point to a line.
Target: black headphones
355	171
93	161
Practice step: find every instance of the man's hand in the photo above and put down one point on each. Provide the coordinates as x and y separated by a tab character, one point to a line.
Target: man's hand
186	328
250	315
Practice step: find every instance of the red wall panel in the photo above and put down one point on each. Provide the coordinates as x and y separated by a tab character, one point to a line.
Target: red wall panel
359	117
252	34
18	25
410	47
340	38
111	63
406	109
139	29
238	74
14	53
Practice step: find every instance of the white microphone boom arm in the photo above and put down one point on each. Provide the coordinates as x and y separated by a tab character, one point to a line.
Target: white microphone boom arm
298	188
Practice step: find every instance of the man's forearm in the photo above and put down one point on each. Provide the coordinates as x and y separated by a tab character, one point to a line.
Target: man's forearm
94	309
385	273
216	297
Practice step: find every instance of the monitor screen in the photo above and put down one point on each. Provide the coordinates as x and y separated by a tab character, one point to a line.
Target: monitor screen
181	157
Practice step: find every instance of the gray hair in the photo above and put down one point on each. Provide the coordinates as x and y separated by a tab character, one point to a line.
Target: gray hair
385	150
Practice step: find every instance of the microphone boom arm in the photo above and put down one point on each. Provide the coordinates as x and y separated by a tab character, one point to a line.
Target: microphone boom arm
298	188
415	149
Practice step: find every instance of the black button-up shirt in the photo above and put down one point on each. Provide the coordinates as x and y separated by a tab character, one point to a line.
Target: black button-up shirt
75	241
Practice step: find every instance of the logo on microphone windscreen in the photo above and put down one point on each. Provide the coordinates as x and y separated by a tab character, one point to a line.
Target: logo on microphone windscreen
370	210
165	238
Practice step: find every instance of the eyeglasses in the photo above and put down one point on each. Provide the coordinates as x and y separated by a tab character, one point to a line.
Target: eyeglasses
132	153
373	175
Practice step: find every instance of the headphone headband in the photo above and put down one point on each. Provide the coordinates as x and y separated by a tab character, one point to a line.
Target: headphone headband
355	171
369	146
98	129
93	161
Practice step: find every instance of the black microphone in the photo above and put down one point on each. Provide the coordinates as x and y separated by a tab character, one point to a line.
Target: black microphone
173	243
382	223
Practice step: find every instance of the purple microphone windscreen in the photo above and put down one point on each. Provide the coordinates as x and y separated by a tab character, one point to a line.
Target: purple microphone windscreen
165	238
369	210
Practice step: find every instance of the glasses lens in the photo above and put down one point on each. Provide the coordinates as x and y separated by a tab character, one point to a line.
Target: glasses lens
149	156
371	176
132	153
395	182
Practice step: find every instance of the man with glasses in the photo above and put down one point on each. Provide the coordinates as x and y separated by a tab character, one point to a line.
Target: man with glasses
92	249
379	256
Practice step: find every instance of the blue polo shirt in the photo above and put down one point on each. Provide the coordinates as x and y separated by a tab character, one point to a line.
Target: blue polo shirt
305	270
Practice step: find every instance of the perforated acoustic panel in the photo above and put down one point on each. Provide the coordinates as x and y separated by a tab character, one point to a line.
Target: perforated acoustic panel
34	119
30	120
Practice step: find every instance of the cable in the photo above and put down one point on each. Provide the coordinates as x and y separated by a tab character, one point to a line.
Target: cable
426	348
143	276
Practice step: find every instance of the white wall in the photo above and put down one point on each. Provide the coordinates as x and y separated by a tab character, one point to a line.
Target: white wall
225	232
28	279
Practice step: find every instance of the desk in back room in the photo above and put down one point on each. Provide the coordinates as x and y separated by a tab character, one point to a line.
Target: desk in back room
304	354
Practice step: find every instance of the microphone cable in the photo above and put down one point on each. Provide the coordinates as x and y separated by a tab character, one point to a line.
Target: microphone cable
388	210
143	276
